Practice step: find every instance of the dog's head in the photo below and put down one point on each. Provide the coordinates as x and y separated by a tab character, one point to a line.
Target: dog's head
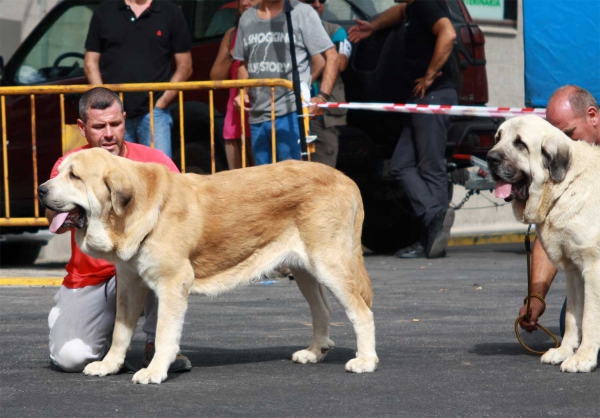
529	153
90	187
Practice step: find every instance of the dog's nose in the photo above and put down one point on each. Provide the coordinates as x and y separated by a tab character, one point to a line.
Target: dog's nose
42	190
493	158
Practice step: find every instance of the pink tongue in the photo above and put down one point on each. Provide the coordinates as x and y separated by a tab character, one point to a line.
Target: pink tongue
502	189
58	220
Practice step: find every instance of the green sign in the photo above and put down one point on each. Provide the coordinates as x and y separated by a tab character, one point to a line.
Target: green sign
492	3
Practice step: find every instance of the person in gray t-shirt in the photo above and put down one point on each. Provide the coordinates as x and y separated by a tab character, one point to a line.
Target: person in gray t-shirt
262	44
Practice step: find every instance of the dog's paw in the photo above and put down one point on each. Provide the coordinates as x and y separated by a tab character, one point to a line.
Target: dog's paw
101	368
305	356
362	365
145	376
556	355
313	355
579	364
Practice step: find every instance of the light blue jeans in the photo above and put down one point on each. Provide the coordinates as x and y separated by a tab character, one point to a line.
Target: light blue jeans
137	129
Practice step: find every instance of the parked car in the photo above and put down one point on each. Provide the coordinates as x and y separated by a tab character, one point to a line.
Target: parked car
53	55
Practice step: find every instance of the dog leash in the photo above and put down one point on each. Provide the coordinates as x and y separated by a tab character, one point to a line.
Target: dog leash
528	300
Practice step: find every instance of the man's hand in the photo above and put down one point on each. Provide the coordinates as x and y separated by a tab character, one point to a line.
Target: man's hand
360	31
161	103
389	17
237	102
535	306
423	83
315	111
183	71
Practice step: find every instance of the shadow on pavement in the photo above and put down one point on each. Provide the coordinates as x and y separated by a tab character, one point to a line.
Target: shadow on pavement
499	349
538	341
214	357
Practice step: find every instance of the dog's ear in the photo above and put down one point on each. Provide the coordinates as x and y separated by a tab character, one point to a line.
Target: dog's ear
498	136
121	190
557	157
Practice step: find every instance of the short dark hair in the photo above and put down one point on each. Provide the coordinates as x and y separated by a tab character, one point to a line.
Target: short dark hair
581	100
97	98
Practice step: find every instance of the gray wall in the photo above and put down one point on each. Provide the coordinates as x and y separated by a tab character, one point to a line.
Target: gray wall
10	37
17	20
505	64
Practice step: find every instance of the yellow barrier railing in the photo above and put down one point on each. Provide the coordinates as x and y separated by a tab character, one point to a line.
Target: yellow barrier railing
67	136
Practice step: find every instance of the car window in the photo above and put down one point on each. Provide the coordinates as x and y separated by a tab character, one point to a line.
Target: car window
55	55
340	10
214	17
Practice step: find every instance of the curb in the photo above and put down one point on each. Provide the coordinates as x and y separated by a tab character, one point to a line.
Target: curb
31	281
483	239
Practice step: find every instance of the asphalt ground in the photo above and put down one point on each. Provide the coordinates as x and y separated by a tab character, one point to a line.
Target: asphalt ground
445	341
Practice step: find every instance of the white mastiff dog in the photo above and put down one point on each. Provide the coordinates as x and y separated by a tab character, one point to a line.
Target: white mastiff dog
554	183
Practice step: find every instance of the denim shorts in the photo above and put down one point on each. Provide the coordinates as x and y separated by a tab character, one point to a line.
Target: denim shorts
287	136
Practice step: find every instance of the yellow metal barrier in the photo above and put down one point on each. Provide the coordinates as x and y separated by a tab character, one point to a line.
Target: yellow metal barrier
71	138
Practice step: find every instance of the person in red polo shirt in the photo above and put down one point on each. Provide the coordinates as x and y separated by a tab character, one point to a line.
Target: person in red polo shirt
82	321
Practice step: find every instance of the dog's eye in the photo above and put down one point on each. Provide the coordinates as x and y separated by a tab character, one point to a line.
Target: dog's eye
73	176
519	144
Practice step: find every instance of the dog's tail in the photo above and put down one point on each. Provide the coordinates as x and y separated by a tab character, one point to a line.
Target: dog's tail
364	284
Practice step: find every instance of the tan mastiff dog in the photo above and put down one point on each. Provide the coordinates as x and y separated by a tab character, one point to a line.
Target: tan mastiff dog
554	183
184	233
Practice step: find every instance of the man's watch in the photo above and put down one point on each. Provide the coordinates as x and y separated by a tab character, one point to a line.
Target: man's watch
325	96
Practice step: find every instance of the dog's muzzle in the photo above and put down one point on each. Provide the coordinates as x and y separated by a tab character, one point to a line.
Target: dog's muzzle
75	218
508	187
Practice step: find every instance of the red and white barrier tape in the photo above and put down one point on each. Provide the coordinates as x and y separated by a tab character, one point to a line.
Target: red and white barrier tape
440	109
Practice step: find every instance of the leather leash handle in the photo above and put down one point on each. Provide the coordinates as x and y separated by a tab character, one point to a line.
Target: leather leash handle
543	328
528	300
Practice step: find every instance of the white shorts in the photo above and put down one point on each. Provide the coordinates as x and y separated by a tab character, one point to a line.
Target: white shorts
82	321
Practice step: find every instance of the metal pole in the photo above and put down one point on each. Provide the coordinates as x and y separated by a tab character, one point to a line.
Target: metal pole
287	7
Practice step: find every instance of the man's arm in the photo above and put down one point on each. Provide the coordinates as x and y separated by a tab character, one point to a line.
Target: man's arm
222	64
344	50
183	71
318	65
91	67
389	17
242	74
543	273
343	63
330	73
446	35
